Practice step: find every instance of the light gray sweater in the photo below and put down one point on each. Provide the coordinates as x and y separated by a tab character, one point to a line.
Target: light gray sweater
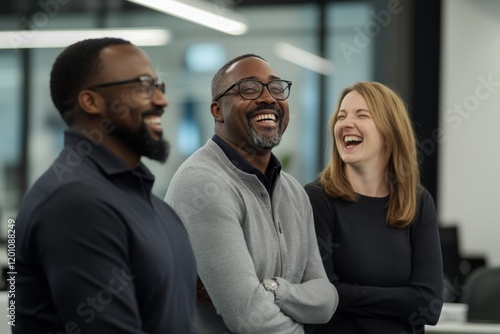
241	235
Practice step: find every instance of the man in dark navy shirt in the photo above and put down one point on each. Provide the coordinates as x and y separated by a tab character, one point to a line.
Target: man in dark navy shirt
96	251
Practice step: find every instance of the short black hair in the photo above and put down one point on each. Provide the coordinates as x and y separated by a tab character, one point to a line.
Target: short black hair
219	75
74	68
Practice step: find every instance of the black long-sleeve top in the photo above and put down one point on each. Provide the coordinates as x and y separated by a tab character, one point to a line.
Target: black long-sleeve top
389	280
97	252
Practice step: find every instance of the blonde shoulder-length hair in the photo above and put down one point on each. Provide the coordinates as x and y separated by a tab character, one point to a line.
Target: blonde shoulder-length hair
401	167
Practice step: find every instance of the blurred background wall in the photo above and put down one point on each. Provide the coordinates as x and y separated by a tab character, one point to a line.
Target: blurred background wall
469	163
436	54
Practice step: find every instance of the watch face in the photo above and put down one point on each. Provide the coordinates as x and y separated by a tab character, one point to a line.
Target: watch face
270	285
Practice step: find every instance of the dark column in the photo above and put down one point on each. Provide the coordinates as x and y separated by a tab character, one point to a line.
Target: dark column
425	94
25	117
322	112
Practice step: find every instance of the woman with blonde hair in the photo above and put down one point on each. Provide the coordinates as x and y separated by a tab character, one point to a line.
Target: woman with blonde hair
376	225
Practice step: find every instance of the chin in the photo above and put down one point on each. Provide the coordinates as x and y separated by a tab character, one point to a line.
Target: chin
156	136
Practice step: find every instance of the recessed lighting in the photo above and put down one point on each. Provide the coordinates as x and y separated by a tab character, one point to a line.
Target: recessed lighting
303	58
199	12
19	39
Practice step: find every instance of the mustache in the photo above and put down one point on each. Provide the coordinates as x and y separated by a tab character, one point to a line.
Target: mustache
153	112
260	107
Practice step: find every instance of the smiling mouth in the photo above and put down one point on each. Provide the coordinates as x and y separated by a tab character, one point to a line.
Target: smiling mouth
153	122
351	141
264	118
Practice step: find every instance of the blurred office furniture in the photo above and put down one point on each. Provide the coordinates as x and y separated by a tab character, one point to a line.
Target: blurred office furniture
482	295
463	328
453	320
450	251
456	266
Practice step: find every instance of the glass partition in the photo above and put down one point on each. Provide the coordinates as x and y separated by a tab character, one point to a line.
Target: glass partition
187	121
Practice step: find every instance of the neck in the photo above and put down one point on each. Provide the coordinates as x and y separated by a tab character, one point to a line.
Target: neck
256	157
372	183
120	149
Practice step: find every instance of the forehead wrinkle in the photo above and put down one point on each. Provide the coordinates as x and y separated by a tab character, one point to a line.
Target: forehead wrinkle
253	77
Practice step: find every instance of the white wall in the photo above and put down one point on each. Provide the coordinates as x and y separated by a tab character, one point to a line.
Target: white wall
469	175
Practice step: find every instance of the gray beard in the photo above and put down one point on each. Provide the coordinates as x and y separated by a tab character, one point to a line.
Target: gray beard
265	143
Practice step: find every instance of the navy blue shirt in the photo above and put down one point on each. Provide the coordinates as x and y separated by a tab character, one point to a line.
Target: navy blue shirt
272	172
97	252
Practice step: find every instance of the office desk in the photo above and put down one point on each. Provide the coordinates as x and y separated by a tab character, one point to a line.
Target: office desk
453	321
463	328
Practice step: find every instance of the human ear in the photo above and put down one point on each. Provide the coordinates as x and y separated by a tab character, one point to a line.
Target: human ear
216	112
90	102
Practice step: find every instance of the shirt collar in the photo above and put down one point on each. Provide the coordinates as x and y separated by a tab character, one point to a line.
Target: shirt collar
272	172
81	146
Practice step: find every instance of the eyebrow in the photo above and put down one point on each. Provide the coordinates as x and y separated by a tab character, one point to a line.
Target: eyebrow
357	110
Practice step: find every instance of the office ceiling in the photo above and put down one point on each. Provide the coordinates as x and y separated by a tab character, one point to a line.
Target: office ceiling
24	7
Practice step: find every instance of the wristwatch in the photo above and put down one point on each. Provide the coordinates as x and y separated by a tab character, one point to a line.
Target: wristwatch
271	284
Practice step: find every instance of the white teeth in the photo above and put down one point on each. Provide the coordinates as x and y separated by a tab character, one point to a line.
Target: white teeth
153	120
352	138
266	117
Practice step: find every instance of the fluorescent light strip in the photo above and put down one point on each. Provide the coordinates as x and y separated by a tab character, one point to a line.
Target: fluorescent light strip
198	12
25	39
303	58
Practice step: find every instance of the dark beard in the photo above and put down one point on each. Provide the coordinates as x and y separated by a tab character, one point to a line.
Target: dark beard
142	142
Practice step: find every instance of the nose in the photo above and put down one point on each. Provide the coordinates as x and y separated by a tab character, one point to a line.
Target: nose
159	98
266	96
348	121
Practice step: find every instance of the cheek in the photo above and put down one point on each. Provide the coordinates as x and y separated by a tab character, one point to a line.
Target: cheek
285	122
284	107
286	116
336	130
380	138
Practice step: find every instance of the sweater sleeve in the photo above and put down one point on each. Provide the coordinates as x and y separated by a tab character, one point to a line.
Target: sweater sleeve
418	302
213	221
82	245
315	299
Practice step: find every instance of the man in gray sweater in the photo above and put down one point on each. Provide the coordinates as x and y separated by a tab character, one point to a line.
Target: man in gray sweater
250	223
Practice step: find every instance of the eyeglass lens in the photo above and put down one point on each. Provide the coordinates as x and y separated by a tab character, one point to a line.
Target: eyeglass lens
250	89
150	85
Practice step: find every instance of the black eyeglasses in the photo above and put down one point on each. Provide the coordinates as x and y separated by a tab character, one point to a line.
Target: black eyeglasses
147	85
252	89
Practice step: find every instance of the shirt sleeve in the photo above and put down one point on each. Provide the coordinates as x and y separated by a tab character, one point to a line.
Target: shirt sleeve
419	302
82	245
224	263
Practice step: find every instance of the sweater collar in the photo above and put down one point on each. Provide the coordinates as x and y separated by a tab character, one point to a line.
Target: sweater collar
272	171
